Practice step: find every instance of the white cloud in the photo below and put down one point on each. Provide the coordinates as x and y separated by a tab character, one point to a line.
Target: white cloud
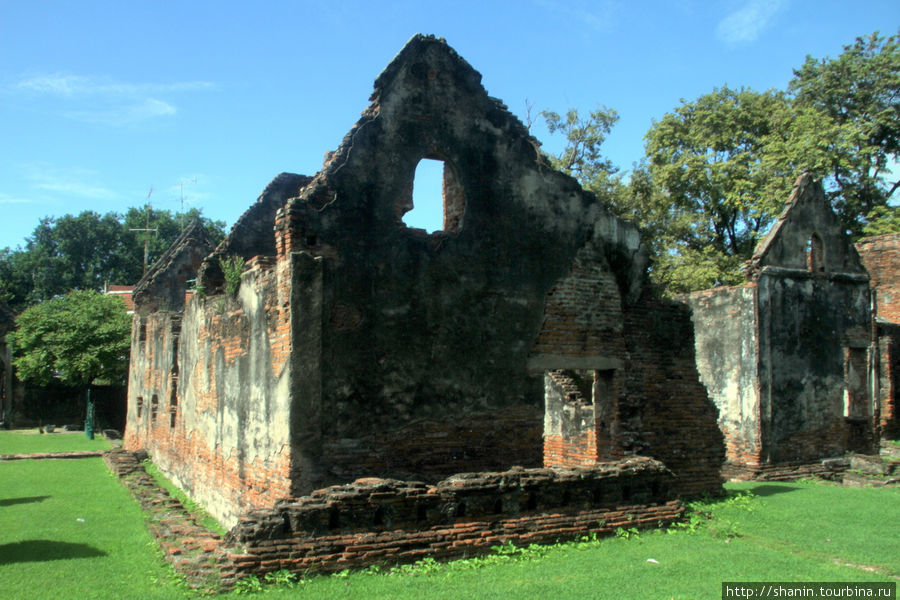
125	114
77	85
7	199
108	102
747	23
596	15
80	183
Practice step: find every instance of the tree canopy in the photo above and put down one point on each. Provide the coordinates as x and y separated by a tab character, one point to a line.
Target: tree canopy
88	251
718	169
78	339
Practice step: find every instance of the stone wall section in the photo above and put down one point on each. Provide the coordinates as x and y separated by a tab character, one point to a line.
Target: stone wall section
664	410
378	521
726	343
388	522
881	256
888	336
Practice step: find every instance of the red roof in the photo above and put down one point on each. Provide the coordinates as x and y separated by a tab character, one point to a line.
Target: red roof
124	292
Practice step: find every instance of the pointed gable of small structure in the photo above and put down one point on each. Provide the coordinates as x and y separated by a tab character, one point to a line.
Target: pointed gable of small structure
808	235
163	286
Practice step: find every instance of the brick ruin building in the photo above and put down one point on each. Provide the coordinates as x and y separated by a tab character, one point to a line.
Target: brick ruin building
881	256
521	341
788	357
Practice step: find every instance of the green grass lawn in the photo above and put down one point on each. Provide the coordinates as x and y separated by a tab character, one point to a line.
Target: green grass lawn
29	441
68	529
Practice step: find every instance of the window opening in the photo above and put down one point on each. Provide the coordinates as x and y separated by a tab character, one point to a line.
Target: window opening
815	254
436	202
154	405
140	406
856	383
173	403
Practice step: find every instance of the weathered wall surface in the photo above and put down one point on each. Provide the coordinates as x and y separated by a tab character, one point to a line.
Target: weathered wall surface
725	339
881	257
571	420
807	328
888	379
219	426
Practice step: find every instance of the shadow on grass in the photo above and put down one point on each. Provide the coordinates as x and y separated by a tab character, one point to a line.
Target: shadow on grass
770	490
26	500
44	550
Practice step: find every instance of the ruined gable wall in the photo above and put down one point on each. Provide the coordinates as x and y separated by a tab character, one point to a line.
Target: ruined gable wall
725	342
252	234
429	337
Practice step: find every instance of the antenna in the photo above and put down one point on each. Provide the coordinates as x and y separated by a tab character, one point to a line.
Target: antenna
148	230
181	183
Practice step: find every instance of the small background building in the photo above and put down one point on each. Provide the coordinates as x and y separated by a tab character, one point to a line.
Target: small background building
789	358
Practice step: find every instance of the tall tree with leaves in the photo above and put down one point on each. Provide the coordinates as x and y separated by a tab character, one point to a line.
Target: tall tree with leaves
718	194
725	162
859	92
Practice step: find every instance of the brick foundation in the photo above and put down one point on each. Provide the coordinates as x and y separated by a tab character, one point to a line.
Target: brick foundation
387	522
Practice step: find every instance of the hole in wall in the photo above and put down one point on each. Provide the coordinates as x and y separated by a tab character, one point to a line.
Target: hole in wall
436	202
334	518
815	254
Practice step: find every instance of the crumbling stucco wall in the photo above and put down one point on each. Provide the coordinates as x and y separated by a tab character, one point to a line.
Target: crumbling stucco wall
726	346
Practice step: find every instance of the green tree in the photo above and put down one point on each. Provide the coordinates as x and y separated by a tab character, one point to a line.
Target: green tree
581	157
717	191
859	93
88	251
724	163
79	339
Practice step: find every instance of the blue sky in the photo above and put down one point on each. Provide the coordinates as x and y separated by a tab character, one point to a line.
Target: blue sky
205	102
